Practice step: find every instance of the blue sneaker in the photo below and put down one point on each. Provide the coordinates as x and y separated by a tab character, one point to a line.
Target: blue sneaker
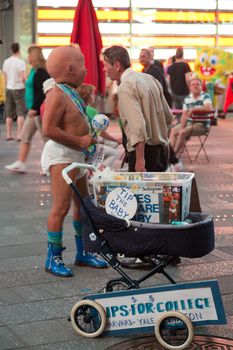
54	263
86	259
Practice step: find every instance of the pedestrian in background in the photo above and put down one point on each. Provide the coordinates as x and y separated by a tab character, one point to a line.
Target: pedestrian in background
176	74
150	68
157	63
34	97
14	69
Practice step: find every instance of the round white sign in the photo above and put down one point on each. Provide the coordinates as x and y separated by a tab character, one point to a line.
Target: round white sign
121	203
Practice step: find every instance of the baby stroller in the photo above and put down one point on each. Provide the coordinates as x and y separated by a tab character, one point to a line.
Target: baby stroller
109	236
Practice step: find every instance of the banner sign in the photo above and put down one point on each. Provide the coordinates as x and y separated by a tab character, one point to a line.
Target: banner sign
137	310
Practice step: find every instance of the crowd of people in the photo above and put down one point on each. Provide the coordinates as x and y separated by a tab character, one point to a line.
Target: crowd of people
54	100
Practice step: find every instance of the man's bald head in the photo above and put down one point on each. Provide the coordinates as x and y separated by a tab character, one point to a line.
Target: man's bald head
66	64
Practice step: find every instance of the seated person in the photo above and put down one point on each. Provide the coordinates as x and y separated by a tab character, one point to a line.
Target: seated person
87	93
197	101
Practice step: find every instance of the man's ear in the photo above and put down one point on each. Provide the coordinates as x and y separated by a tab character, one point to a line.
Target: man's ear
117	65
70	68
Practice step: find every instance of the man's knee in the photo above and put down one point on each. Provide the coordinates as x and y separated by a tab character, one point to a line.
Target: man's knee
184	132
175	130
60	210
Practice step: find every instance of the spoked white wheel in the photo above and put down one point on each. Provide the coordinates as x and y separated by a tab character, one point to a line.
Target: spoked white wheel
88	318
174	330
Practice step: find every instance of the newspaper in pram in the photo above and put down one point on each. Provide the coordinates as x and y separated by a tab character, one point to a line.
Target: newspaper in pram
161	197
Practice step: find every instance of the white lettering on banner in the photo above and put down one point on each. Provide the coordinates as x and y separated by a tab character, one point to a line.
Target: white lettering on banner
142	310
121	203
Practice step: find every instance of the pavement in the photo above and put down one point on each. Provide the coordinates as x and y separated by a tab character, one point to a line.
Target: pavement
34	305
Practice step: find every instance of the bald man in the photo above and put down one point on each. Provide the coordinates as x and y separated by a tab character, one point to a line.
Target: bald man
65	124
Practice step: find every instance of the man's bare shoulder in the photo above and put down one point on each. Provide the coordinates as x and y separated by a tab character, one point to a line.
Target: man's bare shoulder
56	94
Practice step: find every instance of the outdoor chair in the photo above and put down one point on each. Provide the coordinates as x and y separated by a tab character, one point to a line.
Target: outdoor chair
198	117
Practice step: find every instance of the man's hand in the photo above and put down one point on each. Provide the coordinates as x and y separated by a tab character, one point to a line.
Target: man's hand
140	158
119	140
188	112
185	115
140	165
85	141
32	113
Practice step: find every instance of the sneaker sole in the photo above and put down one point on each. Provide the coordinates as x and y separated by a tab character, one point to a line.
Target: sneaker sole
92	267
56	274
16	171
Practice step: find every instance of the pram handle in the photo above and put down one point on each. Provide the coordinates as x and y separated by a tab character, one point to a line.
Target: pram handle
72	166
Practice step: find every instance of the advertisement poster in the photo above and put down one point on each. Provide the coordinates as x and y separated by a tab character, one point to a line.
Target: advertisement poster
172	204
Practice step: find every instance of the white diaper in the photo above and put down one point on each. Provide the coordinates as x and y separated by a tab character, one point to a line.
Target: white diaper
55	153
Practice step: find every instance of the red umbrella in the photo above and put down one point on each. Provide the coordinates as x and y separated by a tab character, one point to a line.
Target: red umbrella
229	95
86	34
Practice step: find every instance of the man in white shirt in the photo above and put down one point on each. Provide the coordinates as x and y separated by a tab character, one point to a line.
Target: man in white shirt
14	69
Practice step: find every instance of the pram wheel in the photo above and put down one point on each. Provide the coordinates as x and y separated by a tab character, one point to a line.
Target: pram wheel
88	318
116	285
174	330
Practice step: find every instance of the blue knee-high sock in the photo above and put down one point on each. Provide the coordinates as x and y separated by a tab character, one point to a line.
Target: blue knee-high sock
78	227
55	238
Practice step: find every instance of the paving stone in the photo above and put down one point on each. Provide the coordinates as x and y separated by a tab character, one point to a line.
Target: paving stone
222	255
227	250
30	293
38	333
228	303
50	291
10	296
74	345
21	250
16	264
77	342
6	217
8	340
212	258
28	277
226	284
36	311
209	270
